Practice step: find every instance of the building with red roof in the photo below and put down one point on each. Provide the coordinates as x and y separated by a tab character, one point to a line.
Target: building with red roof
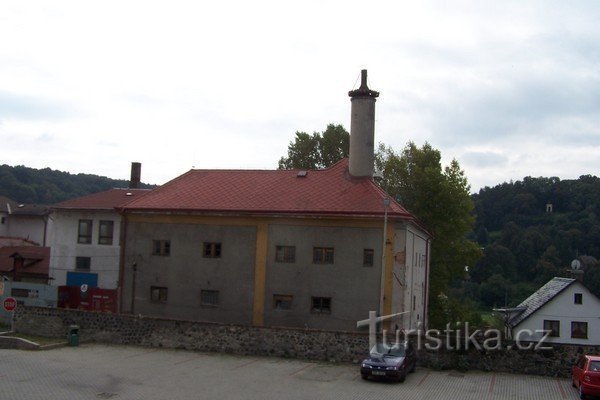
84	236
25	263
317	249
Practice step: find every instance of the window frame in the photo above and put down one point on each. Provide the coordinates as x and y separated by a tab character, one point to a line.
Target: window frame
215	250
279	299
209	292
106	239
368	257
81	259
285	254
85	237
161	247
317	305
162	294
582	324
553	326
323	255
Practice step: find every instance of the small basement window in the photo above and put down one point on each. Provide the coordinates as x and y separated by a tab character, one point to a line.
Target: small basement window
282	301
158	294
321	305
209	297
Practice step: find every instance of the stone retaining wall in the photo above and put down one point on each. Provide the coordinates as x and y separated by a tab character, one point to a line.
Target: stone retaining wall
282	342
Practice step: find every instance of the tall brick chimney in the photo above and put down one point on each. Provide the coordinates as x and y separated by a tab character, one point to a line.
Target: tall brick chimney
136	175
362	129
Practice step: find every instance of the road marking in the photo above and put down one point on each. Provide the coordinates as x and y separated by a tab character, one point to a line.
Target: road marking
561	389
492	384
245	364
423	378
302	369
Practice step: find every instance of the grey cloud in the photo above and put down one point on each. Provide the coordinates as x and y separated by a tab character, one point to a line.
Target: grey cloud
484	159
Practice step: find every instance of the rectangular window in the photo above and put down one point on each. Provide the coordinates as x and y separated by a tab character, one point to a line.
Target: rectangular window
158	294
553	327
322	255
19	292
368	257
83	263
84	233
579	330
212	250
578	298
282	302
209	297
321	305
285	254
161	247
105	232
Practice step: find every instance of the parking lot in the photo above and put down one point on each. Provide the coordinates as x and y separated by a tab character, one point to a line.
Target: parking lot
94	371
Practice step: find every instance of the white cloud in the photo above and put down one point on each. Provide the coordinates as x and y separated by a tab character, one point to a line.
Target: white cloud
226	84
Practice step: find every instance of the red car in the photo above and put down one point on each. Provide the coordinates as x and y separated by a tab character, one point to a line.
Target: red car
586	376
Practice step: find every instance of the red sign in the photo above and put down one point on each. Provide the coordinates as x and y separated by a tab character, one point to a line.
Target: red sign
10	303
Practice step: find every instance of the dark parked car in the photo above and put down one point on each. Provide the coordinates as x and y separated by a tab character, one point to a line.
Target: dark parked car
389	361
585	376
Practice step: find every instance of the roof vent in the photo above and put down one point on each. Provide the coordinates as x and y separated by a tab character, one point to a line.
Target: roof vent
302	174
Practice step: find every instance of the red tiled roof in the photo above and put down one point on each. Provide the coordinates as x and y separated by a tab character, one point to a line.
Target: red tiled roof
106	200
330	191
37	259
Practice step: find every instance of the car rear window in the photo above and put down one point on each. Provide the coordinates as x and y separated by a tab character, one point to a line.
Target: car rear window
594	366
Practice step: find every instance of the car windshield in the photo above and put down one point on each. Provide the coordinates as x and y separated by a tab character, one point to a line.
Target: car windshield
396	350
595	366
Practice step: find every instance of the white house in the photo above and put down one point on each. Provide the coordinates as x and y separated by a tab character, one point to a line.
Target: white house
563	306
84	237
25	221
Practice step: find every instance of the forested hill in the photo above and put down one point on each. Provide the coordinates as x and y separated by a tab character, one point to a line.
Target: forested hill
531	230
47	186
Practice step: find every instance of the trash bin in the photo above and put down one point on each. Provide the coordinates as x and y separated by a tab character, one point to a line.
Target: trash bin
73	335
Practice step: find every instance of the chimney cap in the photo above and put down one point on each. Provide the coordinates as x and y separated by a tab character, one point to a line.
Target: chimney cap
363	90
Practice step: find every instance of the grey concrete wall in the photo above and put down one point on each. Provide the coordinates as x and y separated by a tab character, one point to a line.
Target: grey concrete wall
354	289
185	272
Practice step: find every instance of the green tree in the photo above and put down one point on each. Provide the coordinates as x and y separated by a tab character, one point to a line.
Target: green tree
440	198
319	150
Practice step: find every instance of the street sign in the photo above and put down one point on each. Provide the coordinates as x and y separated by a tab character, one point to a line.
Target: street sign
84	288
10	303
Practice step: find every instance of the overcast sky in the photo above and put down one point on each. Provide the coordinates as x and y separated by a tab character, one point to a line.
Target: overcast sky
509	89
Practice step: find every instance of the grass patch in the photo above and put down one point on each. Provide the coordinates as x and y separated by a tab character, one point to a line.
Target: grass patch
42	341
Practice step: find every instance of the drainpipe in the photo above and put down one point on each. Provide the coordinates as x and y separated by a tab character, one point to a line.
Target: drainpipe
122	259
386	203
426	302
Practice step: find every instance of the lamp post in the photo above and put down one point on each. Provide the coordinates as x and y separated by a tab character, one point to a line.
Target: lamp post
386	203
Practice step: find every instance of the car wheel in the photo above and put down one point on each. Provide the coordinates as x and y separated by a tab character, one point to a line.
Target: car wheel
402	377
414	366
365	377
581	394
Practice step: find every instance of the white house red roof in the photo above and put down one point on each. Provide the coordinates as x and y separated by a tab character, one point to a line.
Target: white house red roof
330	191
